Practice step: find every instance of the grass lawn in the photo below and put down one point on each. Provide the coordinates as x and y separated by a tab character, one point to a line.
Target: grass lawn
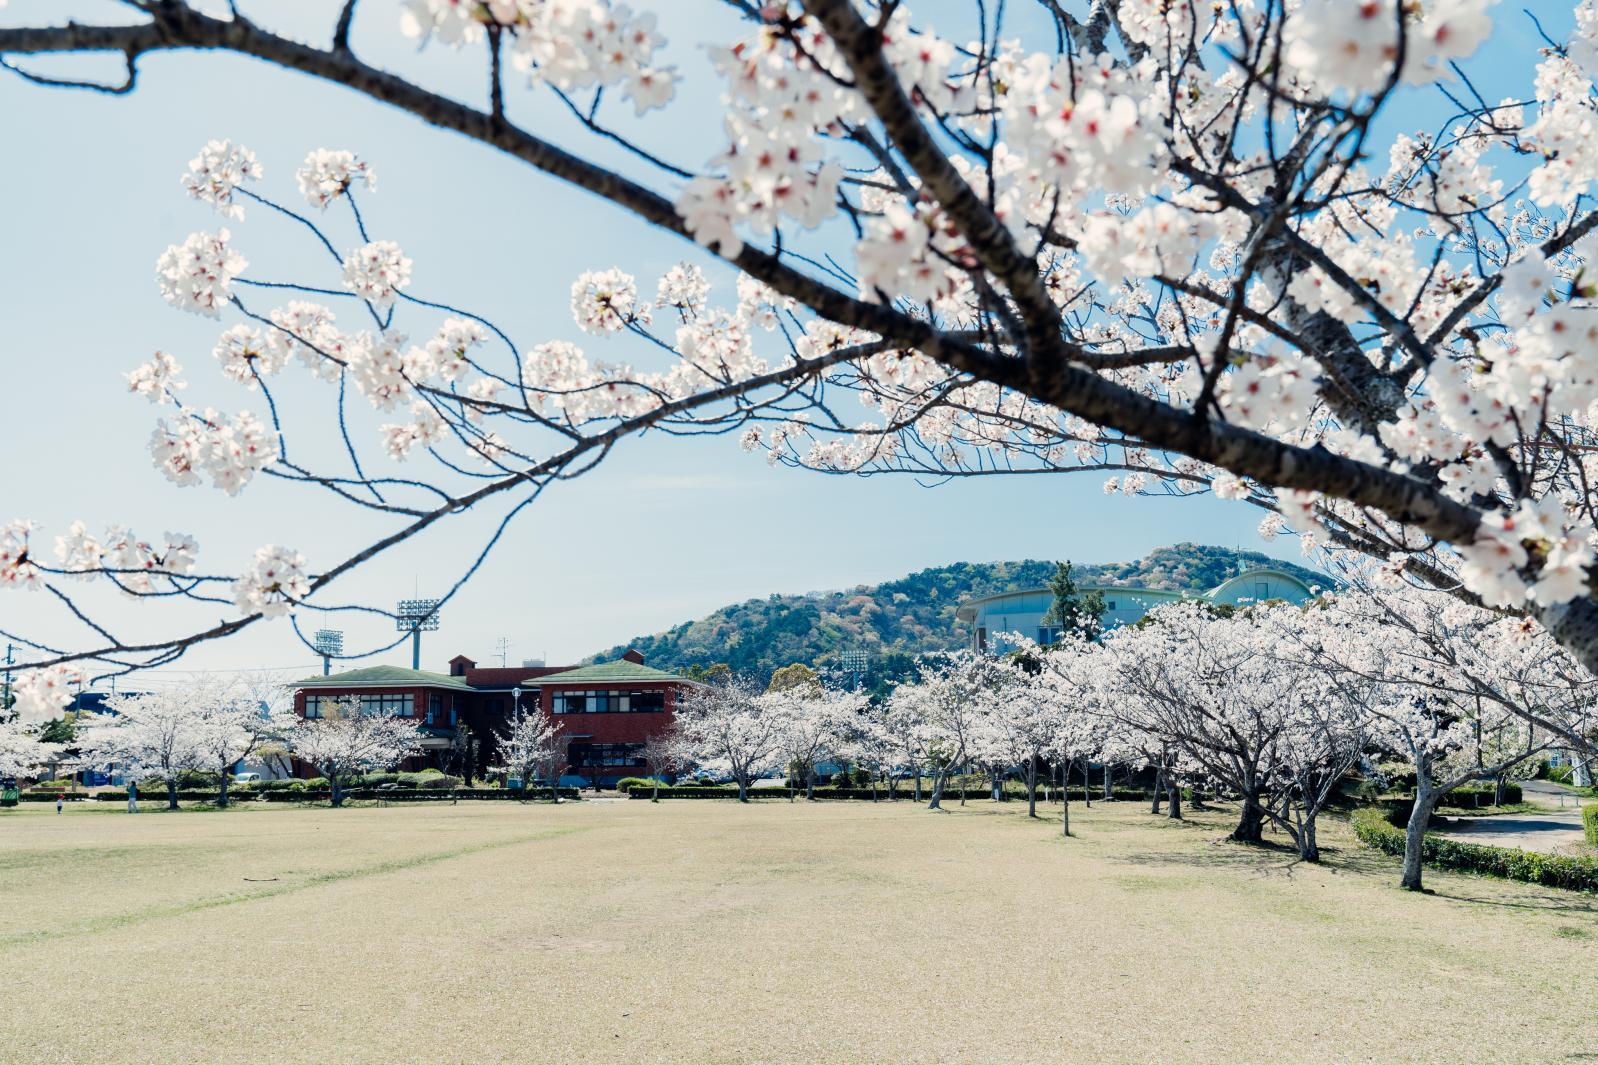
707	932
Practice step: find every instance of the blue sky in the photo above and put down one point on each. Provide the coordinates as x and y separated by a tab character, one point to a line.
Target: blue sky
665	530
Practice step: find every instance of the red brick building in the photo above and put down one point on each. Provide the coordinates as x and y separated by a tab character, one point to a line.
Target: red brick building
607	709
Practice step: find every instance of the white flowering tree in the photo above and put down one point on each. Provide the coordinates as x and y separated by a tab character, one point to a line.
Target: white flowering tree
160	733
346	742
20	750
1221	694
1167	240
1458	692
817	724
529	745
733	728
948	705
1024	711
900	725
236	717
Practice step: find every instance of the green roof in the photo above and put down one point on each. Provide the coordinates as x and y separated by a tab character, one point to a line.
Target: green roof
392	676
620	669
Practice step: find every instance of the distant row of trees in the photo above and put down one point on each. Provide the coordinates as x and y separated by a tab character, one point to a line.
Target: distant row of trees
1272	705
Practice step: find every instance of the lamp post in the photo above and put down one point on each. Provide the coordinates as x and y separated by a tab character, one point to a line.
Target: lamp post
416	616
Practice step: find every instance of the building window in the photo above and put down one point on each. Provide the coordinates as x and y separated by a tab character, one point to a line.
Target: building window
607	701
1109	604
435	707
1048	635
1262	590
605	755
384	703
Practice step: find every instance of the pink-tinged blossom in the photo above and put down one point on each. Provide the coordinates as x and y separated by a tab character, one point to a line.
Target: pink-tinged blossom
43	693
449	350
327	174
245	355
157	379
306	331
606	301
17	567
197	275
274	582
684	288
229	451
219	169
377	271
1352	45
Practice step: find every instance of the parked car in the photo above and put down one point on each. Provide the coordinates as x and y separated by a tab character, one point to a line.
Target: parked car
246	778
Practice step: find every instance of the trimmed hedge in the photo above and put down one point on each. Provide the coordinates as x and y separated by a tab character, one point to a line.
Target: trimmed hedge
1589	823
694	791
323	794
1375	828
906	791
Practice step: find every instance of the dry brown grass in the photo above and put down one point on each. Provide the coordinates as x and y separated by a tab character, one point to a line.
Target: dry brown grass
707	933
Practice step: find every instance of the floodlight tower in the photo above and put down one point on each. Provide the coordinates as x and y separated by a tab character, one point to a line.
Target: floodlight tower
855	662
329	643
416	616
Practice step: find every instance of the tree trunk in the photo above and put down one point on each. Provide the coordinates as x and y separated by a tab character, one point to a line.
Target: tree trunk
1065	811
654	792
172	793
1159	789
1087	785
1415	834
1173	794
337	795
221	795
937	791
918	783
1109	792
810	785
1032	787
1251	825
1308	848
743	789
1498	789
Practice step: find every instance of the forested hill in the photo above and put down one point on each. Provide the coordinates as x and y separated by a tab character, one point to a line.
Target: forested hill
909	615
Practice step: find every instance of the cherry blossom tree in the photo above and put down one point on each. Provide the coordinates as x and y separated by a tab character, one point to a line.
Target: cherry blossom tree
731	727
947	701
817	723
1025	715
159	733
1159	240
663	753
20	750
236	717
345	742
528	745
1459	692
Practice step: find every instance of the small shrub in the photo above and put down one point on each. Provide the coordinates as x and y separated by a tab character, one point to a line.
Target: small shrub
1589	823
627	784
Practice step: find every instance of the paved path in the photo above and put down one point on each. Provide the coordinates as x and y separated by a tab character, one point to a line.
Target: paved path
1557	829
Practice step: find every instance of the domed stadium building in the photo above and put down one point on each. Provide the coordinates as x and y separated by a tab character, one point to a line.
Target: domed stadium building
990	619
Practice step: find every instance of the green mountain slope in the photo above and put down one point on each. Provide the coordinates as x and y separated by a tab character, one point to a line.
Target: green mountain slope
910	615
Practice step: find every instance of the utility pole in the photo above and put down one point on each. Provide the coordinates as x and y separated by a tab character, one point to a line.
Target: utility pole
502	648
5	695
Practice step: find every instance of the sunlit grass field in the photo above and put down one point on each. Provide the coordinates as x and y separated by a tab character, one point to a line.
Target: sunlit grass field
709	932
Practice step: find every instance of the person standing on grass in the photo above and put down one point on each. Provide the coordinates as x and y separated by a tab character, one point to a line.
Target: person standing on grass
61	797
133	796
